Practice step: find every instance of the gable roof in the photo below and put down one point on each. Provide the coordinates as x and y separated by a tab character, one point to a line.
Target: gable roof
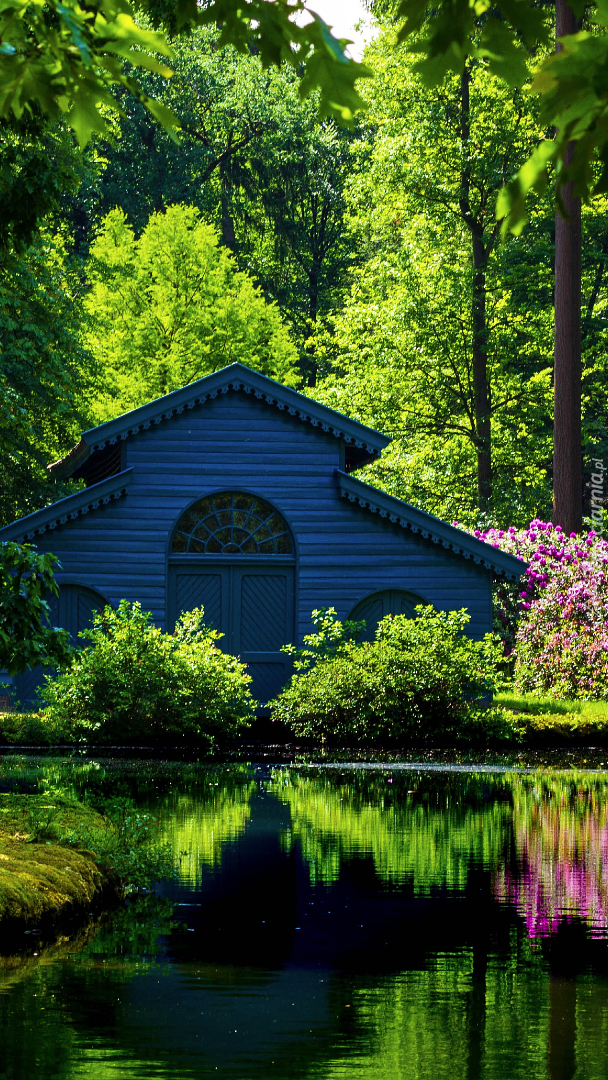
432	528
363	443
70	508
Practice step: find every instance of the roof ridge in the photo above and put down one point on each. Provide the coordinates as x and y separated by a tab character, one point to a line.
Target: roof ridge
235	377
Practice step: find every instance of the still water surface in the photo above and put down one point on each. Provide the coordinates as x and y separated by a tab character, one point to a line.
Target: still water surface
368	923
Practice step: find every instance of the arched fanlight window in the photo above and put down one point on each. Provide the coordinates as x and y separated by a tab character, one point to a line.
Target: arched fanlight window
231	523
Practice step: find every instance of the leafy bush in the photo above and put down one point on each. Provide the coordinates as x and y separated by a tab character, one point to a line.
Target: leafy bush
31	729
420	679
555	624
136	685
26	636
330	637
126	843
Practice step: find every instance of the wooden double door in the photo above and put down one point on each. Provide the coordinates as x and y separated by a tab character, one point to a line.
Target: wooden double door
252	605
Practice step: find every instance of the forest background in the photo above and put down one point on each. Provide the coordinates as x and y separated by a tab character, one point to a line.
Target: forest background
358	265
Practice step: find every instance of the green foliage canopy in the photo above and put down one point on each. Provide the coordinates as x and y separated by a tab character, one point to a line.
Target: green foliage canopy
435	292
38	164
45	374
571	83
63	57
170	307
226	103
255	159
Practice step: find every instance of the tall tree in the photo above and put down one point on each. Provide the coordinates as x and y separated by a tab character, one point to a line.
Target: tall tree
225	102
292	221
255	159
573	103
482	243
567	444
442	156
399	358
170	307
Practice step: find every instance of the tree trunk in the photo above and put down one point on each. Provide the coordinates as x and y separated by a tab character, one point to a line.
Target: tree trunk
481	386
309	362
480	377
228	234
567	449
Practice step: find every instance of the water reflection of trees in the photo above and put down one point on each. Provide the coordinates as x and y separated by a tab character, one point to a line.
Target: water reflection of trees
427	834
543	837
478	1002
198	825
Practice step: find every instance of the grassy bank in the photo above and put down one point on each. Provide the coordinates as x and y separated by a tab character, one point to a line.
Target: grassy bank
551	721
42	873
530	705
58	855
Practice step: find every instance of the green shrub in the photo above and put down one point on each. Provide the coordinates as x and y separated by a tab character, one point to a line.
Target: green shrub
125	841
420	679
31	729
135	685
26	636
330	637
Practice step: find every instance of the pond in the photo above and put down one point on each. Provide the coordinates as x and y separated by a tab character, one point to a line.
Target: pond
405	921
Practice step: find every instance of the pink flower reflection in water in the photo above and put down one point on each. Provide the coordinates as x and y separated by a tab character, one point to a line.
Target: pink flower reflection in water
561	840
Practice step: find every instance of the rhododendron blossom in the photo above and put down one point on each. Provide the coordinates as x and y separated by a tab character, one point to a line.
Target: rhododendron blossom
554	623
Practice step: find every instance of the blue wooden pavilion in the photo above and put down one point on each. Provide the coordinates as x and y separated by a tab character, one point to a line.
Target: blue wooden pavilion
237	493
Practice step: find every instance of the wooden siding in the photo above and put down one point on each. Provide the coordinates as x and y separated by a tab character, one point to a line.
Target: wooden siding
235	441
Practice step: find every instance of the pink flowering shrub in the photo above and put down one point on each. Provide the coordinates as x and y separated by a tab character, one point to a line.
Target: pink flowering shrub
555	623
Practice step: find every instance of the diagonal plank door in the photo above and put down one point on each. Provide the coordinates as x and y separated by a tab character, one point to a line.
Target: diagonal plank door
263	615
206	588
253	606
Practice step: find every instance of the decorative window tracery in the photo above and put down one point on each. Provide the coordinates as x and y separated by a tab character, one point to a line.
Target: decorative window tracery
232	523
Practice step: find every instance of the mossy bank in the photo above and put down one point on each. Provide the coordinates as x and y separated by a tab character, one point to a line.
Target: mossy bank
44	873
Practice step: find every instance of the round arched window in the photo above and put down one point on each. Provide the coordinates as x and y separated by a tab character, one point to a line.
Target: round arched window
73	609
232	523
388	602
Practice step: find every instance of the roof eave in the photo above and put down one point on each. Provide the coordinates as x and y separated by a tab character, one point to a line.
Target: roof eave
430	527
70	508
67	466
